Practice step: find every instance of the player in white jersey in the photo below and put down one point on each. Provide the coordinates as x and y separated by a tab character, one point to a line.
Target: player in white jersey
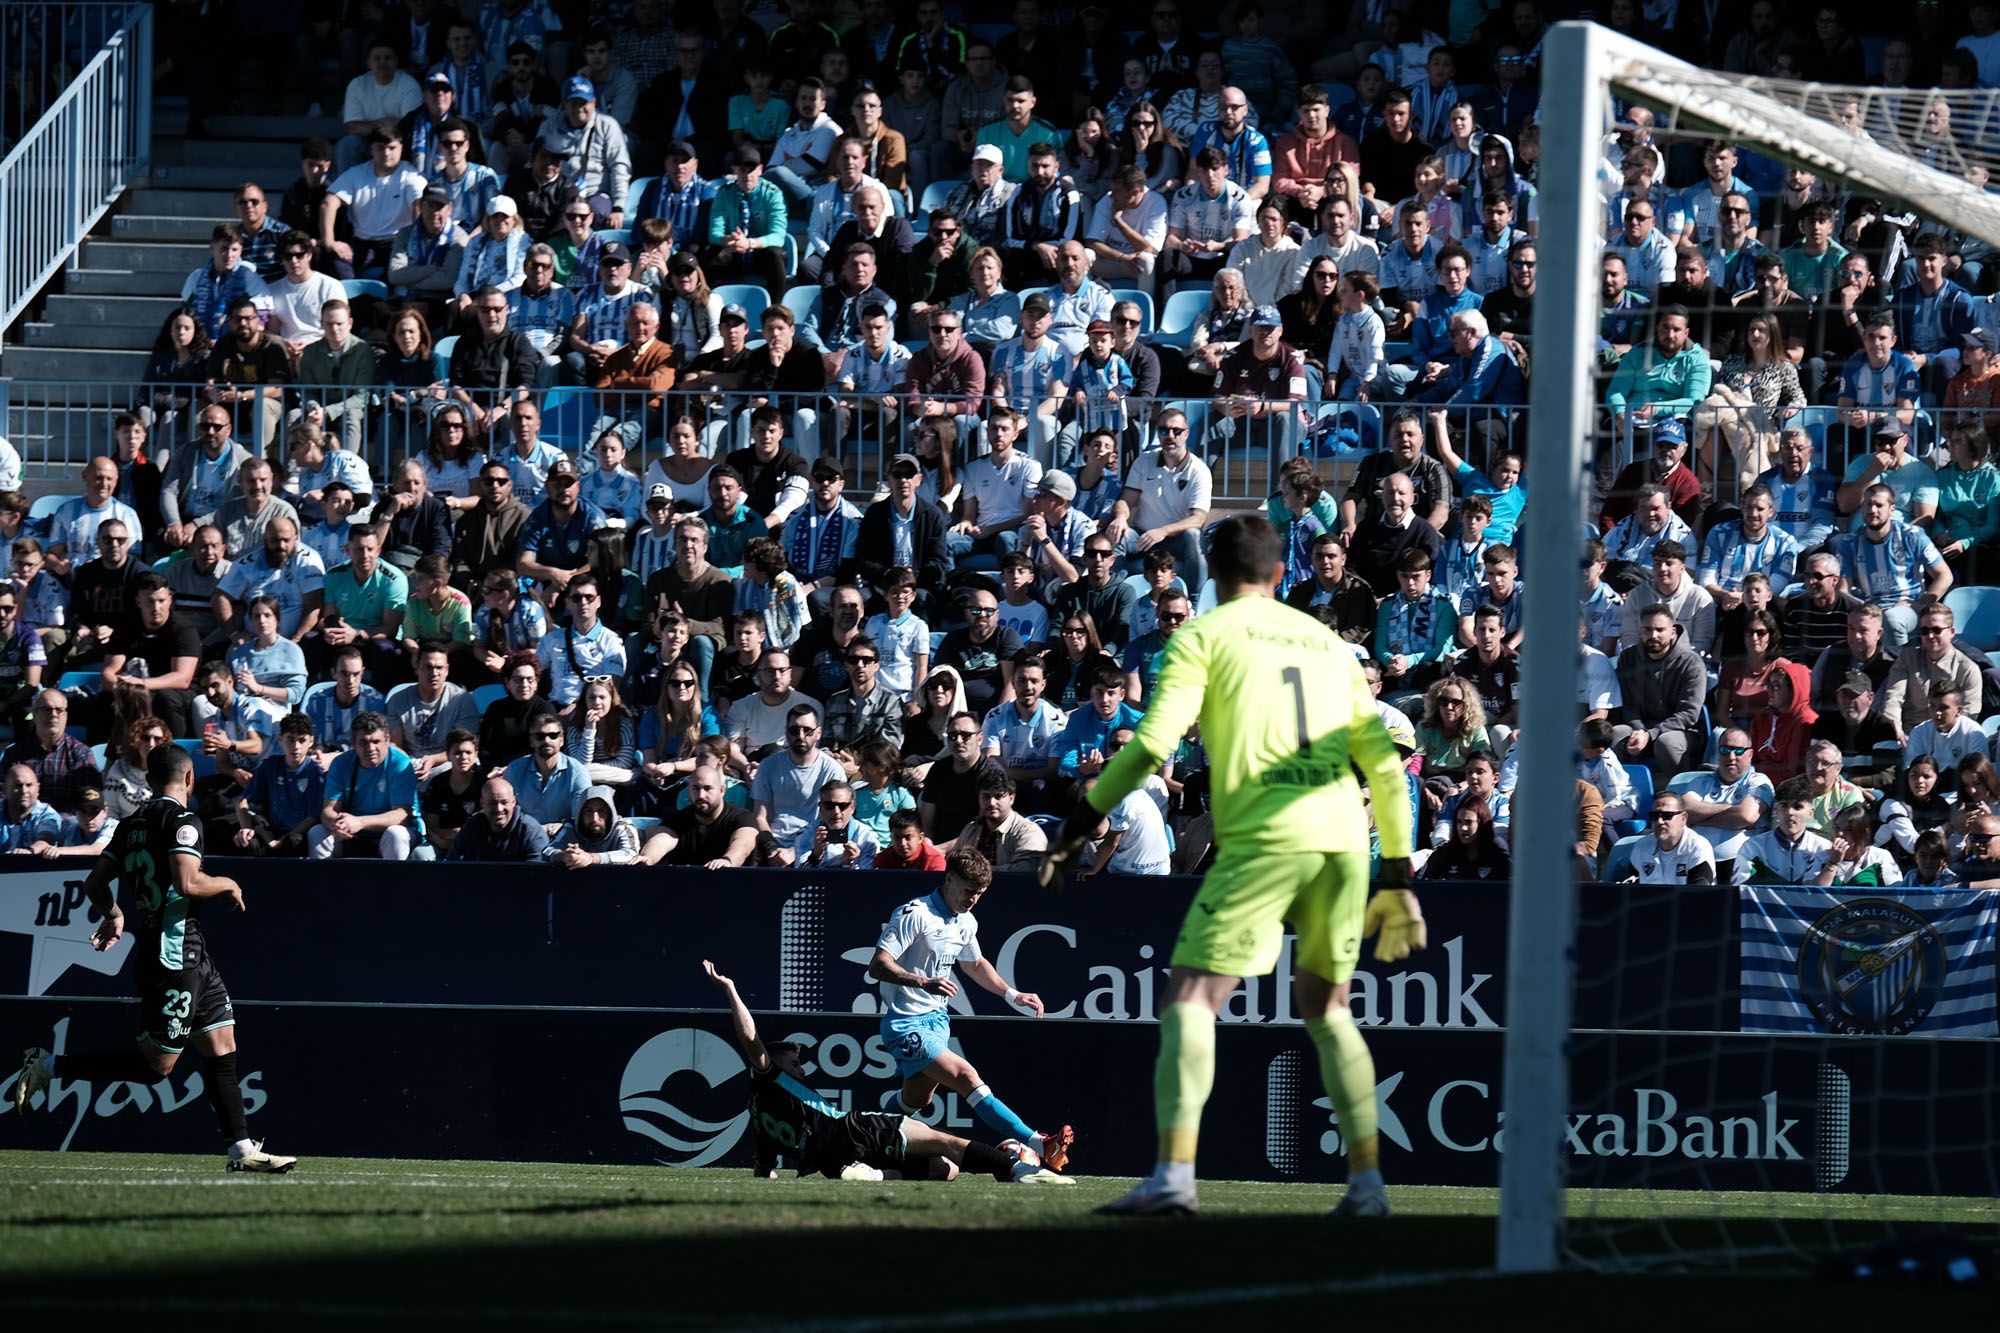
913	960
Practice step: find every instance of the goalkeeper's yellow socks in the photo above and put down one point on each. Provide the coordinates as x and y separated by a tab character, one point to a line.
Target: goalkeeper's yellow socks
1182	1079
1348	1071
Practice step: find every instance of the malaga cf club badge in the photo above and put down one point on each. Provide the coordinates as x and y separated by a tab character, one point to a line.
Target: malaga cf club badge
1871	967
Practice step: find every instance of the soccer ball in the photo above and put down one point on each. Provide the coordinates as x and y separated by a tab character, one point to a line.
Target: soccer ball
1020	1152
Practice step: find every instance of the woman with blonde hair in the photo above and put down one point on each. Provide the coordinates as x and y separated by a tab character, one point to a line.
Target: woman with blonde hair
1453	726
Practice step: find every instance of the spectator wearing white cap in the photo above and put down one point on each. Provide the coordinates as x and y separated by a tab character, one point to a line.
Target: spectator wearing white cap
652	547
496	257
982	200
592	145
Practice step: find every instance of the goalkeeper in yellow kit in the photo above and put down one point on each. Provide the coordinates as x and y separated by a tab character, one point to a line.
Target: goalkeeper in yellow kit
1283	708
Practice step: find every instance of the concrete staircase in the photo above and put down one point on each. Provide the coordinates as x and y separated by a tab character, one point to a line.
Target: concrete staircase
72	361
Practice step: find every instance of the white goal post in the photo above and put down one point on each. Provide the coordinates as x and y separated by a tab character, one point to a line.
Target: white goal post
1582	66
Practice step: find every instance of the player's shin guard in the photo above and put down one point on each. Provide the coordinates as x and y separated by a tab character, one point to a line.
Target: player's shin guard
1182	1077
987	1160
1348	1071
225	1095
105	1067
996	1114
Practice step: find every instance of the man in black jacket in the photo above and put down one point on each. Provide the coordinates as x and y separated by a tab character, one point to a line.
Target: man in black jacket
1332	584
904	528
419	523
689	101
493	366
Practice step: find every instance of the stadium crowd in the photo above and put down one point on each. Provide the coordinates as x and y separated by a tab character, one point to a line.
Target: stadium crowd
897	574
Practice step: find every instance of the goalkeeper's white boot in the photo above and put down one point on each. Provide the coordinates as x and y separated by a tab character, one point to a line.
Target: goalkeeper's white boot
1362	1202
34	1077
1155	1197
249	1156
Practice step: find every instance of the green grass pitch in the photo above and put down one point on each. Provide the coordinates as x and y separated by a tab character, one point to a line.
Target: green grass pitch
174	1242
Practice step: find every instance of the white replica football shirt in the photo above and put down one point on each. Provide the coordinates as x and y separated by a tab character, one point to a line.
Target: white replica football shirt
926	938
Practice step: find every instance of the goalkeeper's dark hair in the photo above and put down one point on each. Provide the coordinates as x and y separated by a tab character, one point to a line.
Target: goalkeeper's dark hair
1246	551
167	764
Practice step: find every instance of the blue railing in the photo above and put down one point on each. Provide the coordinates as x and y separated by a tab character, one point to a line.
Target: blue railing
80	152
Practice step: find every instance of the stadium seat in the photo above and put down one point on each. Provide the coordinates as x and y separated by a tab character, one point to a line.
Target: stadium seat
791	253
98	754
620	235
803	302
642	824
1991	726
1184	310
45	506
485	696
1046	823
1619	863
751	296
634	193
568	410
1145	303
1642	798
935	195
441	355
1681	782
204	764
359	287
1977	610
78	680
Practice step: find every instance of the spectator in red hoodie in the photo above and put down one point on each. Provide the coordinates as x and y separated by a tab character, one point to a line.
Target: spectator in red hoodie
908	848
1782	729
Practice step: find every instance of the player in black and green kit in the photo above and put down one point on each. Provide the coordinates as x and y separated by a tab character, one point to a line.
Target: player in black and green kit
156	858
793	1122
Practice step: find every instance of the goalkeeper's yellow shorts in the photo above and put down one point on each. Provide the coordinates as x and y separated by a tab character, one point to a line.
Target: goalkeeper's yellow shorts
1236	924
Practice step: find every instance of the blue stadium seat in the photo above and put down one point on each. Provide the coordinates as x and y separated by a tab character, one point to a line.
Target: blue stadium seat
1145	303
1619	863
642	824
567	413
1642	798
935	196
485	696
78	680
791	253
621	235
45	506
634	193
441	356
1184	310
204	764
750	295
98	754
1991	726
803	302
1977	611
359	287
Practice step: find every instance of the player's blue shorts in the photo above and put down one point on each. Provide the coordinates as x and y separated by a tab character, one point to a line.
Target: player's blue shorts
916	1040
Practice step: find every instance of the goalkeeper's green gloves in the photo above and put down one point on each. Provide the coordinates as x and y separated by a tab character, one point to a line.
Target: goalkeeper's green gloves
1393	917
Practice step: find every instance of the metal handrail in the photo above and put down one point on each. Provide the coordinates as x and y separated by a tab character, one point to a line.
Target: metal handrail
67	170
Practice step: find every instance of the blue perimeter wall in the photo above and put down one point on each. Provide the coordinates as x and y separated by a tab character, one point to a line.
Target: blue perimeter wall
523	1013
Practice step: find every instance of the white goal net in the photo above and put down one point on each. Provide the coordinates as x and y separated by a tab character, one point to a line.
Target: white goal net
1722	1075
